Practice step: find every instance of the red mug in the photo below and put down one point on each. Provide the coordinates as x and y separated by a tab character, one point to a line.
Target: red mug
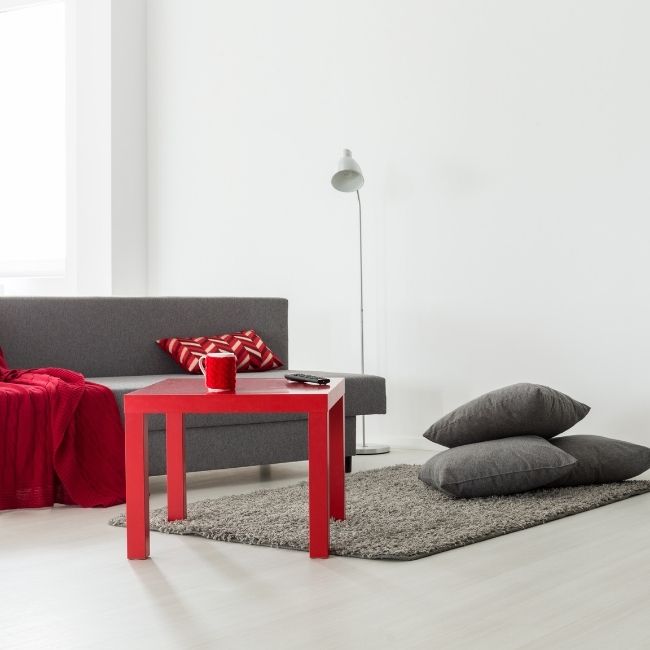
220	370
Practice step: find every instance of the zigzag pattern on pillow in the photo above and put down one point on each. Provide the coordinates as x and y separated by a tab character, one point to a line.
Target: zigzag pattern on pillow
253	355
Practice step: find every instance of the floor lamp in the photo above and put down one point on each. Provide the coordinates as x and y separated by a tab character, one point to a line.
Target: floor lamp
349	178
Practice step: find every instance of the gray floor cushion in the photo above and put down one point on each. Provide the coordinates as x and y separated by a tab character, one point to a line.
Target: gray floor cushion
601	460
496	467
520	409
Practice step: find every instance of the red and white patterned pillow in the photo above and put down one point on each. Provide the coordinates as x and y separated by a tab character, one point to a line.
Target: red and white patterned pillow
253	355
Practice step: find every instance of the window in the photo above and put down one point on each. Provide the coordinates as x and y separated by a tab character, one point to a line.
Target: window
32	141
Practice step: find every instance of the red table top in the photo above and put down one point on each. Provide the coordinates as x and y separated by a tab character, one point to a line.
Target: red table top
256	394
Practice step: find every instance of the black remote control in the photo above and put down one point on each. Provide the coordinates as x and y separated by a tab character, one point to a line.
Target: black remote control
307	379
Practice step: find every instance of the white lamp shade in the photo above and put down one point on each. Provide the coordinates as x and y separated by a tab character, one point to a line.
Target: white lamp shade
348	178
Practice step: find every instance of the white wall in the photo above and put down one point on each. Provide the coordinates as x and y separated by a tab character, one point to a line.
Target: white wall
89	163
128	147
506	149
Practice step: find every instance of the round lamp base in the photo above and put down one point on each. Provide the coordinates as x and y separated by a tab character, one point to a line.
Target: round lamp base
370	449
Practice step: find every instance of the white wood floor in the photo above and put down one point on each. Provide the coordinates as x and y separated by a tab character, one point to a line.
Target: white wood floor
582	582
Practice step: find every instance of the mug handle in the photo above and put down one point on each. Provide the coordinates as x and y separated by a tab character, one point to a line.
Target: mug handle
202	364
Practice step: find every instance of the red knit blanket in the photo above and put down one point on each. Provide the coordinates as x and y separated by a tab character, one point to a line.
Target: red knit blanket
61	440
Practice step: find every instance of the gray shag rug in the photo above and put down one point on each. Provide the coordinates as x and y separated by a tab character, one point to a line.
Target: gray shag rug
391	515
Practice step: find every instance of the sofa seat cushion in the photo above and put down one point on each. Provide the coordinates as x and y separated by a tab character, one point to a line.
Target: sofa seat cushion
364	394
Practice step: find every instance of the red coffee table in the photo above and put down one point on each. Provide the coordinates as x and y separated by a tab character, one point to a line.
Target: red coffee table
325	408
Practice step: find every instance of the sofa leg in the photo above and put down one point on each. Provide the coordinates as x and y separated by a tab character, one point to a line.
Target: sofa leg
348	464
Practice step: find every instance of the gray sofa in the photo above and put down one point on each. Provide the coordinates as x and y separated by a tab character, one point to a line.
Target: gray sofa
112	342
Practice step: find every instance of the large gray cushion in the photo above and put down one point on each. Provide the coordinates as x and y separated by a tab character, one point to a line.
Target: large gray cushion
496	467
601	460
520	409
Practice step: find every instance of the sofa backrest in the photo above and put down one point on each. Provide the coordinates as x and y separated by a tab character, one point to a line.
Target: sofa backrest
106	337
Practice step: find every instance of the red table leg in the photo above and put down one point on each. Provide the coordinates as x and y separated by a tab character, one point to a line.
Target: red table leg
337	459
137	486
319	521
176	492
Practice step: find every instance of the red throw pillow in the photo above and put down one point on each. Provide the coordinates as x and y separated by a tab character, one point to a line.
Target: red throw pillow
253	355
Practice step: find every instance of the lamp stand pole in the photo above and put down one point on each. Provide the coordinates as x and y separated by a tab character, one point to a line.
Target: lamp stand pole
365	448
